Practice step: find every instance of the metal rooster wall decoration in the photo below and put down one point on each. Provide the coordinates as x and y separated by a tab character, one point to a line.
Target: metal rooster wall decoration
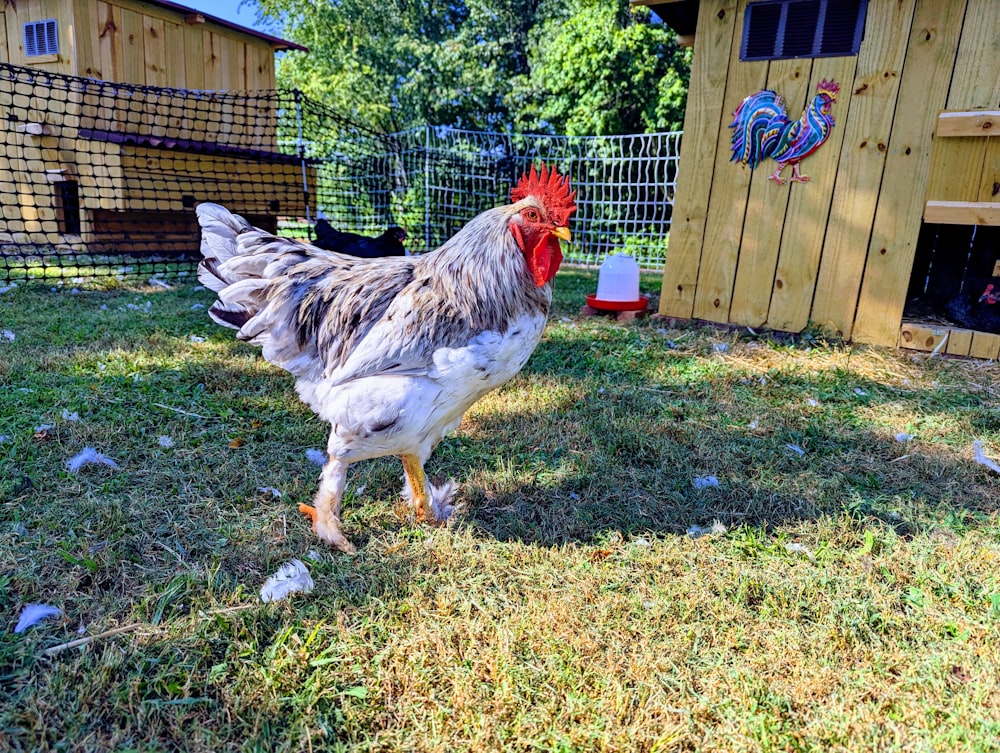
762	129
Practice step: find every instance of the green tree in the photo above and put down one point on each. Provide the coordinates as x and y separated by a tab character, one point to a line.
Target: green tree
600	68
573	66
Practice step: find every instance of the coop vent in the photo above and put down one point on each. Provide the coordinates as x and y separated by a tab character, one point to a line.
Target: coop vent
41	38
778	29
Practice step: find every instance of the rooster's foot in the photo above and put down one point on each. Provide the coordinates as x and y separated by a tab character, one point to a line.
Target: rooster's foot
429	503
778	180
332	535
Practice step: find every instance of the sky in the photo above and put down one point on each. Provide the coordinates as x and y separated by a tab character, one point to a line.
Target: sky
230	10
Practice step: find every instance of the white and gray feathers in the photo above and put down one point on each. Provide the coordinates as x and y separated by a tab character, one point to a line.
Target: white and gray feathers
323	315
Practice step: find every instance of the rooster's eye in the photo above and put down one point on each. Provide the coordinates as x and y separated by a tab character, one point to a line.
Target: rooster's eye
531	215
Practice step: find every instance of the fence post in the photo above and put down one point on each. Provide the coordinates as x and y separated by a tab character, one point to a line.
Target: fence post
302	157
427	188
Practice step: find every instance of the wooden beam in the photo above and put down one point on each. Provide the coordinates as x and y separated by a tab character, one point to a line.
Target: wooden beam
963	212
985	345
968	123
922	336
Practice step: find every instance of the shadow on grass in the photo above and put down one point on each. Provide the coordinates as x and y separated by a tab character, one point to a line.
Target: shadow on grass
629	450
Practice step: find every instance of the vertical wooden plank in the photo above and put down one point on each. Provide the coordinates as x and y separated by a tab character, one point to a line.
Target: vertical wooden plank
87	56
809	209
866	139
923	90
957	163
14	45
133	56
766	207
176	65
194	56
703	116
234	70
15	42
212	58
110	41
154	52
730	189
4	45
976	83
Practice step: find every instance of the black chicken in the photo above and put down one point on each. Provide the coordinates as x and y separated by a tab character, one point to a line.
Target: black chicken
390	243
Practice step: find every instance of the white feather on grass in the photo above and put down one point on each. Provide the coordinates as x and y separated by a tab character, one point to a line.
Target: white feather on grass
32	614
89	455
316	456
980	455
8	335
72	417
697	531
704	482
292	577
165	442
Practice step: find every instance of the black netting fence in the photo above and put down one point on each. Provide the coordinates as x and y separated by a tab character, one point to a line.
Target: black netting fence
99	178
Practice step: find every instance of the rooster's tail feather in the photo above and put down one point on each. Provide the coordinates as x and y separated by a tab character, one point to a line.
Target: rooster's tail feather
228	267
219	230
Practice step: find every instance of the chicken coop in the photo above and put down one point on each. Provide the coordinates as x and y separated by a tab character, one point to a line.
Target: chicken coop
896	237
121	115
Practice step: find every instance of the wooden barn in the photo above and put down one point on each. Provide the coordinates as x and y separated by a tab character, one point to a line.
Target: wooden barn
896	237
121	115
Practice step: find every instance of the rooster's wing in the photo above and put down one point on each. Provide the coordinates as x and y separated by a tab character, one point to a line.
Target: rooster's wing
320	314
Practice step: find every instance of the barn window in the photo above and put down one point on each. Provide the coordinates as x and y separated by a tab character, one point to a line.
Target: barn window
41	38
778	29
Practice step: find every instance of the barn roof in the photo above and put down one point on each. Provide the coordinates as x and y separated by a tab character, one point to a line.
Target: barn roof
276	42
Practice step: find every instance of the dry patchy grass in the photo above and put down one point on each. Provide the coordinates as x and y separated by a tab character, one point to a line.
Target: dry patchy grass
852	604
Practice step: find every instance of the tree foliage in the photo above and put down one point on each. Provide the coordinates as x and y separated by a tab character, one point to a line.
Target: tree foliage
568	66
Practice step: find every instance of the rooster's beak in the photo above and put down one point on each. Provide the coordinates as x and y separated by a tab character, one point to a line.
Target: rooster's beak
562	232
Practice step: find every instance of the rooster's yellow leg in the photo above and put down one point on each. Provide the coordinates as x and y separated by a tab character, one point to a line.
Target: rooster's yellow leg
325	510
417	480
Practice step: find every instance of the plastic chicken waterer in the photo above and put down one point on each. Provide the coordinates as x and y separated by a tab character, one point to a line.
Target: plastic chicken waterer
618	279
618	285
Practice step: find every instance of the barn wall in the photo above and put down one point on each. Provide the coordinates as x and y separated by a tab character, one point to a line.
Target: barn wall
837	251
61	133
129	41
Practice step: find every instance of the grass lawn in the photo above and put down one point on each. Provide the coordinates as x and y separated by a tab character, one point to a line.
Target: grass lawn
852	602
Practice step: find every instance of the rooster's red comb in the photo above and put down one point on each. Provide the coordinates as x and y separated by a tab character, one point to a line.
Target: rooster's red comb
553	190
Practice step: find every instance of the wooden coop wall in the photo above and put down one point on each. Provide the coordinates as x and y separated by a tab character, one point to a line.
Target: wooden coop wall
836	252
132	42
84	136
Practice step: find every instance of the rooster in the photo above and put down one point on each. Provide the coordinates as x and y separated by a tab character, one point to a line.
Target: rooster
761	129
393	351
390	243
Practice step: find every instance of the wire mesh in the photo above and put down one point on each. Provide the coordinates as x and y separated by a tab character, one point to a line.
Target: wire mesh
625	184
101	178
